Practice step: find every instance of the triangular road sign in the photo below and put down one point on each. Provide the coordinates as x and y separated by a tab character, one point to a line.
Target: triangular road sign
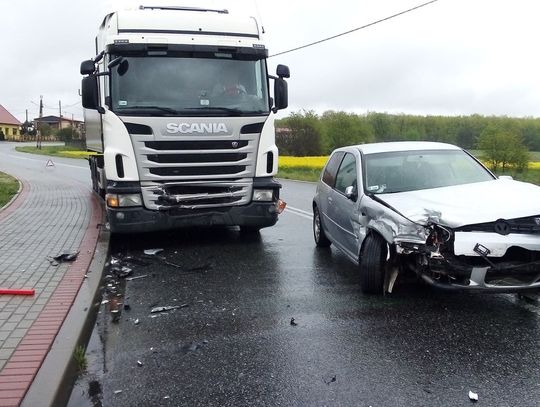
49	163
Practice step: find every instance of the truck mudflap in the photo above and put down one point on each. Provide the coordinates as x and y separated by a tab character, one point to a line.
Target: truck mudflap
255	215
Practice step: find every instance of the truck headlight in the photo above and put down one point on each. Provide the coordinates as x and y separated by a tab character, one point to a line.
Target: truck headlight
265	195
123	200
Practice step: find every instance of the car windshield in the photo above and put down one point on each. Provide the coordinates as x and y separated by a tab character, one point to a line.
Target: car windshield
402	171
208	84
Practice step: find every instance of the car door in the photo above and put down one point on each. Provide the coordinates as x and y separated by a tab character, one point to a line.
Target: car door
343	210
324	191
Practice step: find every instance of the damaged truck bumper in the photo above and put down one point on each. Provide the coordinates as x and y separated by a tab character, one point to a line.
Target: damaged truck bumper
139	219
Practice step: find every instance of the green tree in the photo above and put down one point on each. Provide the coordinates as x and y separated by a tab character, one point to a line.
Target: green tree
45	129
303	138
65	134
503	147
343	129
382	125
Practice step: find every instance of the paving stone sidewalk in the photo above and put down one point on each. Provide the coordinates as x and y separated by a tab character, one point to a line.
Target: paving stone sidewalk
54	214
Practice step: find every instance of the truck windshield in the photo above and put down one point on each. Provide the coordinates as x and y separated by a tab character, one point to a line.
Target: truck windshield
207	85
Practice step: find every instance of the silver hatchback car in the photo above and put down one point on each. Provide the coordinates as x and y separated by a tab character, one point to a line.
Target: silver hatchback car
430	208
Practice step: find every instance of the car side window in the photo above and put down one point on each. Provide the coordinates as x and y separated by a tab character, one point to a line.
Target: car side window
329	173
346	175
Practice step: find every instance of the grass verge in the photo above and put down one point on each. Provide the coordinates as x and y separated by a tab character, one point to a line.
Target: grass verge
8	188
55	151
299	173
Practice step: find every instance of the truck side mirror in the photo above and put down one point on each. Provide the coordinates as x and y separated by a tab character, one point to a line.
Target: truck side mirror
90	94
87	67
283	71
281	94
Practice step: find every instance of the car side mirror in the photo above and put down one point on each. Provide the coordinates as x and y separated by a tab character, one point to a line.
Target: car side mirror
506	177
350	193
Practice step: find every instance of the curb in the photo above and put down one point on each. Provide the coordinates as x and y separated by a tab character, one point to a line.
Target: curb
53	383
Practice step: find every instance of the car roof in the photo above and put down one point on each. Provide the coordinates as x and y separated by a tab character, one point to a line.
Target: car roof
372	148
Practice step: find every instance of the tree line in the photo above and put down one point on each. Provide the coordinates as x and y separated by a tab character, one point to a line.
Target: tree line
306	133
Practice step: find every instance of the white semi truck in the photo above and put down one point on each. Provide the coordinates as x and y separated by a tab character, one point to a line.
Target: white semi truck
179	114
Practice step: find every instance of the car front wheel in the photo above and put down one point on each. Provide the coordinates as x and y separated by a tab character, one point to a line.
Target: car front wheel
373	264
318	232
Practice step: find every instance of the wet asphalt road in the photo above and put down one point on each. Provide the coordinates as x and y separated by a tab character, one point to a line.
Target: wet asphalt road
231	342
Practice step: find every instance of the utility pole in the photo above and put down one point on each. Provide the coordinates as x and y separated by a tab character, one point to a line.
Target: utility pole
38	136
59	115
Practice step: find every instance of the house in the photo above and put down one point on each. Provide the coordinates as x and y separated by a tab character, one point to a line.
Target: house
10	127
57	123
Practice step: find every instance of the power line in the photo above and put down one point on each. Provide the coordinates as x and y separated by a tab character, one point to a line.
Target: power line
355	29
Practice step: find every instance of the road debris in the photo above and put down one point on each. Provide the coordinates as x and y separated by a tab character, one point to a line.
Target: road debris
136	277
139	363
473	396
293	322
117	391
13	291
64	257
121	271
152	252
332	380
165	308
136	322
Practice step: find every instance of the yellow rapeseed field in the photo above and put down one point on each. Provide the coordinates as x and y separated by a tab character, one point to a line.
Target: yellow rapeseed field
302	162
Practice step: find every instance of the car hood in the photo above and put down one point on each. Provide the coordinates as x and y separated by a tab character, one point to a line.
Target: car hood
468	204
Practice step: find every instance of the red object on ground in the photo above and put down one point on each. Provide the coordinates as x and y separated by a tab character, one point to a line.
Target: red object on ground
10	291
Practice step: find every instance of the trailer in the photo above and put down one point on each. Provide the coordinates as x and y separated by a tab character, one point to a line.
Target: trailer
179	115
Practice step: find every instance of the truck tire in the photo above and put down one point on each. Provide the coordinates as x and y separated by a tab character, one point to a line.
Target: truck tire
318	231
250	230
373	264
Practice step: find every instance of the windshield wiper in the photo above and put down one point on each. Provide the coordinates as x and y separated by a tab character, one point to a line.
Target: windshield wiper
160	108
216	109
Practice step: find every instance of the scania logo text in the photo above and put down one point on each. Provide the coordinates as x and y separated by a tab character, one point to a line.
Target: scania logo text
190	128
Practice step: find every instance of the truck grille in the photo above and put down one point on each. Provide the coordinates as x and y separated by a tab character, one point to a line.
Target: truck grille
196	194
195	173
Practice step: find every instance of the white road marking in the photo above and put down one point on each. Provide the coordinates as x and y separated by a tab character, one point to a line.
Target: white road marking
299	212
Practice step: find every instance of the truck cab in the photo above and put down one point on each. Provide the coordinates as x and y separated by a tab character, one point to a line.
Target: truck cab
178	116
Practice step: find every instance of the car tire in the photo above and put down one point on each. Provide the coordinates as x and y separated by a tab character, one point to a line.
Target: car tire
373	264
318	231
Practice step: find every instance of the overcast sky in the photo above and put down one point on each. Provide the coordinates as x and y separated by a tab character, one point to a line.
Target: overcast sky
453	57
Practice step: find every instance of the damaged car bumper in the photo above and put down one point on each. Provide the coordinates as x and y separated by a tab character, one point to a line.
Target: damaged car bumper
477	261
